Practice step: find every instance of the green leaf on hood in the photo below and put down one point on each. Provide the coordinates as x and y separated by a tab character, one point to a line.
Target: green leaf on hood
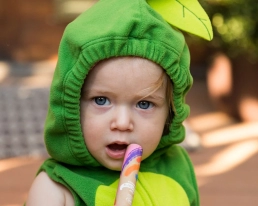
187	15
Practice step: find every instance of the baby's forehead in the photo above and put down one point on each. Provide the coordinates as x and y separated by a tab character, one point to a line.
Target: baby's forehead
127	63
132	60
124	70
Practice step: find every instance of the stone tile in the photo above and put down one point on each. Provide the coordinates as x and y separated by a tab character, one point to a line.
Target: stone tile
22	117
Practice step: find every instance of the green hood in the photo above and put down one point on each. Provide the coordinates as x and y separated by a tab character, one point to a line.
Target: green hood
112	28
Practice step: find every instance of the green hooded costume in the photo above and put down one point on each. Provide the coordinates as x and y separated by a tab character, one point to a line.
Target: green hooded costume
113	28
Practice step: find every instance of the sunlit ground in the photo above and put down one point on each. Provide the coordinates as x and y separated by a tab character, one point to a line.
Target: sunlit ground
227	165
16	176
39	74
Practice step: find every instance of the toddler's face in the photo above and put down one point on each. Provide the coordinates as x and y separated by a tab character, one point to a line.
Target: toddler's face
119	107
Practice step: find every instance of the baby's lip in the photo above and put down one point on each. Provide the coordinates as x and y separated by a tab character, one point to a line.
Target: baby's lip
116	150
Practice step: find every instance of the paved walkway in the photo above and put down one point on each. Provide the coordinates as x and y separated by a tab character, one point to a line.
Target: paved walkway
225	164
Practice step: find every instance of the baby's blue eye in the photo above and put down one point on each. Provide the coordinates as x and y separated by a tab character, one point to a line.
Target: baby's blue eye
144	104
101	101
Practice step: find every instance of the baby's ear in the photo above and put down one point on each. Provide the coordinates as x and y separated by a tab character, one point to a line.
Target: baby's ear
168	121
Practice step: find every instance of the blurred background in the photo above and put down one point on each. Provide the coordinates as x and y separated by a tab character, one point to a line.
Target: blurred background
222	130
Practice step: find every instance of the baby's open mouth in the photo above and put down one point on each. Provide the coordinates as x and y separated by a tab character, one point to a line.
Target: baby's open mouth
117	147
116	150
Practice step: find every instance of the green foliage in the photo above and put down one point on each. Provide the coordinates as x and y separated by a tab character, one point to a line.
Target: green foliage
235	25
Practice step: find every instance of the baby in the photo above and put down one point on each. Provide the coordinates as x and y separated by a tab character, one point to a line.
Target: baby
121	78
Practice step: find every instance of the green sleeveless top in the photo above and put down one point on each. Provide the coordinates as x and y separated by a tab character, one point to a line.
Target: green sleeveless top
164	181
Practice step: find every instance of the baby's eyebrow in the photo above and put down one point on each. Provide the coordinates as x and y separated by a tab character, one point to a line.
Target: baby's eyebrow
149	93
152	96
96	91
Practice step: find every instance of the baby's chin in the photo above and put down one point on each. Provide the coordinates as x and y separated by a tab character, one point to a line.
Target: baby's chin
116	169
116	166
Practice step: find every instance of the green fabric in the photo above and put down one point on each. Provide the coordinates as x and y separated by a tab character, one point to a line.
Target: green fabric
114	28
170	181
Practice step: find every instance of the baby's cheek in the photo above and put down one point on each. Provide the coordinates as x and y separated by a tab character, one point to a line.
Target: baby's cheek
149	147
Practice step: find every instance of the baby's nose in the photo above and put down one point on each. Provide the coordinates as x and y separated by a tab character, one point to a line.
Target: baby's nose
122	119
